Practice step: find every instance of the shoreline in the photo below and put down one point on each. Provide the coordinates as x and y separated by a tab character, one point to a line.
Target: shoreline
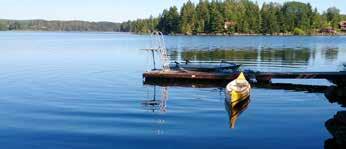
245	34
180	34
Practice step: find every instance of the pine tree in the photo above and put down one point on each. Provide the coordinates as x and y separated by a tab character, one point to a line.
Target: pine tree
230	13
252	13
203	17
187	18
240	12
216	19
169	21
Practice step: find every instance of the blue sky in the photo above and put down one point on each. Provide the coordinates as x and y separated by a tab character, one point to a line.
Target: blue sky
108	10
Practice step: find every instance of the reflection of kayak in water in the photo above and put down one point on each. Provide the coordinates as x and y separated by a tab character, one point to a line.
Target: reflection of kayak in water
234	110
238	90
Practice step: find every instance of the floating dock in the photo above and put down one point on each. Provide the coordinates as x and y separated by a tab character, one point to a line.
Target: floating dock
338	78
186	73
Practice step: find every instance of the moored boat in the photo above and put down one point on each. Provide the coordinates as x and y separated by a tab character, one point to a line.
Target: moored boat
205	66
238	90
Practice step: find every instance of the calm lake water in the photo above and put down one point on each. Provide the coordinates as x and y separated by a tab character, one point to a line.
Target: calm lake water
85	90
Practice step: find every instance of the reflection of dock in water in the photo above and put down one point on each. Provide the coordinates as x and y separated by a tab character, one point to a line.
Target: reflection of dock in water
158	103
155	104
234	110
336	125
222	84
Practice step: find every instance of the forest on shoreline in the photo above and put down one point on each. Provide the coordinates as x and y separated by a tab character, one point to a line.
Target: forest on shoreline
208	17
44	25
239	17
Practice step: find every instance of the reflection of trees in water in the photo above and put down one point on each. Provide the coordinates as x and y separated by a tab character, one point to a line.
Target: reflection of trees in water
337	124
219	54
174	55
287	55
330	53
283	55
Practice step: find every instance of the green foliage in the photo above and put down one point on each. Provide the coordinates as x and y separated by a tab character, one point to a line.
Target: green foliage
245	15
3	26
296	15
207	16
203	17
333	16
230	13
252	16
270	18
142	25
317	21
169	21
187	18
43	25
298	31
216	19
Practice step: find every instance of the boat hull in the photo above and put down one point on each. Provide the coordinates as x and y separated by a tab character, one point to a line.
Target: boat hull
236	97
204	67
238	90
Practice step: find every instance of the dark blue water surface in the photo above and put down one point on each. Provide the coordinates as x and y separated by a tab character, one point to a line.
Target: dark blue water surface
85	90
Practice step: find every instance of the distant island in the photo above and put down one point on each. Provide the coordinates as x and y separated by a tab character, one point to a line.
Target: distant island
216	17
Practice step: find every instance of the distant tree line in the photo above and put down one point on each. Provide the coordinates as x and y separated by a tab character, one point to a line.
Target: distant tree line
243	16
43	25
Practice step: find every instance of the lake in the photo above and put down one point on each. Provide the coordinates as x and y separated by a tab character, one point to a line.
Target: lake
85	90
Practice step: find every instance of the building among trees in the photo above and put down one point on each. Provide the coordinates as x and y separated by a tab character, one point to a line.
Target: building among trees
343	25
328	30
229	24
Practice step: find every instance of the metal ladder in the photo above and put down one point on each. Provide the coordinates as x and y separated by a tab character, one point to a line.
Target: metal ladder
159	42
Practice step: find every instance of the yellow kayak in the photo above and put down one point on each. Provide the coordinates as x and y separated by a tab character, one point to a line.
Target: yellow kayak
238	90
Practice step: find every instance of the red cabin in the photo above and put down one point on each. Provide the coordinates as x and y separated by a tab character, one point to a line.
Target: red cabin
343	25
328	30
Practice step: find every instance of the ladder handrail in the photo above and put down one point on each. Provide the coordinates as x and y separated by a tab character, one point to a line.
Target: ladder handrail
158	42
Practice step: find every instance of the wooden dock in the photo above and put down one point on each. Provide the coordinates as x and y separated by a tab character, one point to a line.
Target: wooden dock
338	78
189	75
